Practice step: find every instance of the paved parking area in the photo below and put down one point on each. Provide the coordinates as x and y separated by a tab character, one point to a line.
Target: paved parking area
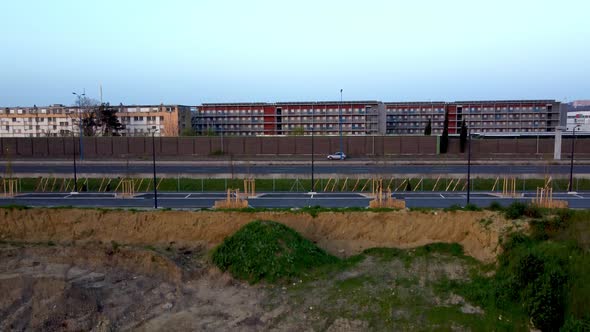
192	200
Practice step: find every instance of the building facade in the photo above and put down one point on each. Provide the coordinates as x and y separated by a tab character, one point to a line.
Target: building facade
298	118
578	120
516	116
60	120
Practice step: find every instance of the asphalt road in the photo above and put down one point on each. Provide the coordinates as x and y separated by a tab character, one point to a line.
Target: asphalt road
274	200
343	168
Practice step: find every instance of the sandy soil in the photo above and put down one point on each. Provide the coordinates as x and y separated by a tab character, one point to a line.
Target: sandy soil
93	288
341	233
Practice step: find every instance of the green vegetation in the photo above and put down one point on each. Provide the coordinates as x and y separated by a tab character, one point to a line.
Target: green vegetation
545	275
266	250
542	277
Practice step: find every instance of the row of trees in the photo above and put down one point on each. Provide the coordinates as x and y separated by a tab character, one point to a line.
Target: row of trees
444	140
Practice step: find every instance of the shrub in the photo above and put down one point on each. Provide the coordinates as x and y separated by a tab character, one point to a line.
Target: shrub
515	210
471	207
495	206
266	250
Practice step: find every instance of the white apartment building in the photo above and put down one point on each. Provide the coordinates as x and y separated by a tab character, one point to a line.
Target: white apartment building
60	120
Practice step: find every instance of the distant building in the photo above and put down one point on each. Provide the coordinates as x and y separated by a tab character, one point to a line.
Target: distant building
291	118
504	116
298	118
60	120
579	119
581	103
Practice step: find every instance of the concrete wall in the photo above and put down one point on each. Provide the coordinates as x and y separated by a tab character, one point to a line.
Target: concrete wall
355	146
140	147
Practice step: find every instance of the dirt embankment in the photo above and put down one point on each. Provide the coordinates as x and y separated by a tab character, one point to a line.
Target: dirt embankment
341	233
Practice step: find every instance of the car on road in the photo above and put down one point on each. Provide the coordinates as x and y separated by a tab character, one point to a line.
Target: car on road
337	156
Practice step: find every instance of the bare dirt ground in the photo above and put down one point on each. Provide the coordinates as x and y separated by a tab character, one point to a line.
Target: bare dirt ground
99	288
98	270
49	287
341	233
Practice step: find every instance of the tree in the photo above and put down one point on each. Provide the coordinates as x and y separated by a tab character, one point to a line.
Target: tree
209	132
298	131
188	132
444	140
463	136
101	121
428	129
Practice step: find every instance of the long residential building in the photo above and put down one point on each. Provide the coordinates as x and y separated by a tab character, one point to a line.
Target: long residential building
377	118
502	116
60	120
298	118
247	119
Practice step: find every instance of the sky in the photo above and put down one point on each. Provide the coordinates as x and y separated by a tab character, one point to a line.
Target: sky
192	52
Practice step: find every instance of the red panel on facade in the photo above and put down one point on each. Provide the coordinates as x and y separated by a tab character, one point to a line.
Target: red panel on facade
269	120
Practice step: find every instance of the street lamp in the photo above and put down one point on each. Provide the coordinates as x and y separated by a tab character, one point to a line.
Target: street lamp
80	121
570	187
340	121
469	165
154	130
74	155
312	147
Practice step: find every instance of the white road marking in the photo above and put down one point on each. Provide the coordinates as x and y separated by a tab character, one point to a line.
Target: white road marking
187	196
441	195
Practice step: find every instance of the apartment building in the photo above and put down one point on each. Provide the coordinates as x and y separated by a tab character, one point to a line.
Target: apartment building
141	120
508	116
60	120
291	118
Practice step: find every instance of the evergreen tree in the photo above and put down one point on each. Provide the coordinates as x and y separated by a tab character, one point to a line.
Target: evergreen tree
102	121
444	140
428	129
463	136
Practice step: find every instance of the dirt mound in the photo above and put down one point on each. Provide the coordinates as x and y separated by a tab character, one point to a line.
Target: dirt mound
341	233
268	250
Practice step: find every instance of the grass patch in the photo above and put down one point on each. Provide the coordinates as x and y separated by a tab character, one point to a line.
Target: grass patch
267	250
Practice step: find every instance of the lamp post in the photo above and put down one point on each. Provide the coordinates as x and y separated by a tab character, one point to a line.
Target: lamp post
154	166
80	120
74	155
340	121
312	147
570	187
469	165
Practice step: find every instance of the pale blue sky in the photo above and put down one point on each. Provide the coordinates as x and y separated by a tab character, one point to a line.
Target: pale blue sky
190	52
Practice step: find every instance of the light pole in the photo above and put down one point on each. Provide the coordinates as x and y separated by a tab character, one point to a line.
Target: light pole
222	128
340	121
469	165
312	147
80	121
154	166
570	187
75	170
